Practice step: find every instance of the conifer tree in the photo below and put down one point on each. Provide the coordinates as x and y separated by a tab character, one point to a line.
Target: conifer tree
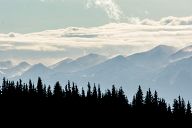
121	96
83	93
57	92
175	109
49	92
99	94
188	112
30	88
89	93
148	98
139	98
94	95
169	113
39	88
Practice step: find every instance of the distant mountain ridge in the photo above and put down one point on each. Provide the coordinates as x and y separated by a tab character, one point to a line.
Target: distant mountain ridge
80	63
5	64
183	53
17	70
164	68
63	62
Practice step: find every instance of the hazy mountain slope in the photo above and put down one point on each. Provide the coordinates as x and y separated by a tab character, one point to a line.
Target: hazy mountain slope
154	58
37	70
183	53
16	70
176	78
81	63
61	63
5	64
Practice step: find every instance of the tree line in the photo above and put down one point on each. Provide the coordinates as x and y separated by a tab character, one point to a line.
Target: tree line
70	101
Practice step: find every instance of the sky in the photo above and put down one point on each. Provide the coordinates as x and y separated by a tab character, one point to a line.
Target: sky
26	16
50	30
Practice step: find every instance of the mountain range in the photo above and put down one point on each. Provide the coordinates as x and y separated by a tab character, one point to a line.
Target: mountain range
163	68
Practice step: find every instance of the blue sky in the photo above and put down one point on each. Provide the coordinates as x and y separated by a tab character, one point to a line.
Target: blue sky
26	16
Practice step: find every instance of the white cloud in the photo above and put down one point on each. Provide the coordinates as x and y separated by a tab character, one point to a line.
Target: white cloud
109	6
141	35
176	21
112	34
171	21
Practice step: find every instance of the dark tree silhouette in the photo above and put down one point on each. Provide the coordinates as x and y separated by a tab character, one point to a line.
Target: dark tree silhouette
39	88
57	90
139	98
94	95
188	112
149	98
49	92
122	99
30	100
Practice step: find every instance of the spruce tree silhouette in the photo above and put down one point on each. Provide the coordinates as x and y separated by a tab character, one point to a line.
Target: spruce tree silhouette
138	110
155	101
134	103
27	100
57	92
89	94
40	88
169	113
182	109
31	89
44	91
122	99
149	98
83	97
114	95
4	88
188	112
148	104
139	98
175	109
94	95
99	95
49	92
162	109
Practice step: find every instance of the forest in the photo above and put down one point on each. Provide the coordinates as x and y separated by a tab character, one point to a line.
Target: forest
70	102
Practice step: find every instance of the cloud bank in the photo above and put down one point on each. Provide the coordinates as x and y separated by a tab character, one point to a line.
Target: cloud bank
109	39
170	21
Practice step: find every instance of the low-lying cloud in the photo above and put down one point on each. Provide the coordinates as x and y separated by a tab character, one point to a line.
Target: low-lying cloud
171	21
109	39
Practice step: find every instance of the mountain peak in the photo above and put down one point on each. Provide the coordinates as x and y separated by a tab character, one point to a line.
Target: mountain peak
119	57
40	68
163	48
187	49
39	65
186	52
160	51
24	64
92	55
63	62
67	60
80	63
